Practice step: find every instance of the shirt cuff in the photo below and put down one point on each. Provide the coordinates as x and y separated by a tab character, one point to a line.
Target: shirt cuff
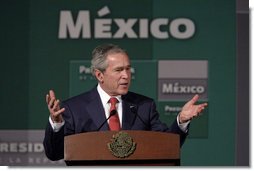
183	126
56	126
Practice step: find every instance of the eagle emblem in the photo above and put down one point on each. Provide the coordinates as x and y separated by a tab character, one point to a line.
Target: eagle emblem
121	145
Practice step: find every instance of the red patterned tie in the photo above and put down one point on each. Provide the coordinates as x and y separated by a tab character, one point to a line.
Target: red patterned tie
114	123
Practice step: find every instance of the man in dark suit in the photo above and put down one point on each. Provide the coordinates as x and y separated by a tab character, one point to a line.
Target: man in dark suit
89	111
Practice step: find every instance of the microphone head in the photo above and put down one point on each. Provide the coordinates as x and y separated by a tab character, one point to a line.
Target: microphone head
113	112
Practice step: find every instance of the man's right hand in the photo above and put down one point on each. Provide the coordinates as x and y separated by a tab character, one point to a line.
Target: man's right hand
54	107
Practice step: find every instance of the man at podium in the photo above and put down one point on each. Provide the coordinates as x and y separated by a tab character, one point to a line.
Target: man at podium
109	105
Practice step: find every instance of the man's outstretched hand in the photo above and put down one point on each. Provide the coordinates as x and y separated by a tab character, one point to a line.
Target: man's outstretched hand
190	110
54	107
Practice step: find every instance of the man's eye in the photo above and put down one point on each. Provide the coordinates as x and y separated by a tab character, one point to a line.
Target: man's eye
118	70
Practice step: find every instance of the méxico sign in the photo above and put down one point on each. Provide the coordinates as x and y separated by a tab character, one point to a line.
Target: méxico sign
159	28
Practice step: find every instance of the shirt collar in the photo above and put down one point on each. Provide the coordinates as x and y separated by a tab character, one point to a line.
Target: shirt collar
105	97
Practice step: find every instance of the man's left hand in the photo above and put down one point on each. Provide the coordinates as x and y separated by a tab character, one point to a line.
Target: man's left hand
190	110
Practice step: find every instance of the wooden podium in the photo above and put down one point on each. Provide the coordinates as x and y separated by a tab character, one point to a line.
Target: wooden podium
152	148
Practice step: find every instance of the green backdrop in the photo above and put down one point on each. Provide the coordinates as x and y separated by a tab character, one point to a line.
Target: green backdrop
34	60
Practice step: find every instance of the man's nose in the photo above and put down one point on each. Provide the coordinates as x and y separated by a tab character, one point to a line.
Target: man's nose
125	73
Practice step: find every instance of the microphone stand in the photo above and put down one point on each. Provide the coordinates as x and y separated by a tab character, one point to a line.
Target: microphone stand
112	113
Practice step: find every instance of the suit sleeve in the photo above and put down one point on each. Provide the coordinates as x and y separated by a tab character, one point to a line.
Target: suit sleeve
54	143
157	125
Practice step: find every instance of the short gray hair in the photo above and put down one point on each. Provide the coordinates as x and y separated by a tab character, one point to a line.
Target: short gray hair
99	56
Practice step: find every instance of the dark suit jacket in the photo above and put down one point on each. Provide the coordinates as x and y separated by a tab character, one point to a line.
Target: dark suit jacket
85	113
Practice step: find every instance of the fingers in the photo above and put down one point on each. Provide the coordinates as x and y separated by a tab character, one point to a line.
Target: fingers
198	109
57	117
47	99
54	105
52	94
58	113
190	110
201	107
51	103
194	99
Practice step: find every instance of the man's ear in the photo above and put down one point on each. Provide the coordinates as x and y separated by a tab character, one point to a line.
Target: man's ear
99	75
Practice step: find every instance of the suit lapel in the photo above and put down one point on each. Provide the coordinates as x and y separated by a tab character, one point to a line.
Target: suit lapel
128	116
96	110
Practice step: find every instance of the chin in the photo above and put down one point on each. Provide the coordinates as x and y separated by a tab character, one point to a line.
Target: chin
123	92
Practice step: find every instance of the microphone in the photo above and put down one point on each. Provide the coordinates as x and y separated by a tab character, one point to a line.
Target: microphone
112	113
134	110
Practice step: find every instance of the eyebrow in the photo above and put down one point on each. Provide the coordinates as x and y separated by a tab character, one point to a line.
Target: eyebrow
121	67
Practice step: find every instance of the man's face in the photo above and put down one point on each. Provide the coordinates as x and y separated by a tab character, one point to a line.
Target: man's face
115	80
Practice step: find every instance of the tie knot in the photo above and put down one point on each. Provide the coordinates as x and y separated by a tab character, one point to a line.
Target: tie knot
113	100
